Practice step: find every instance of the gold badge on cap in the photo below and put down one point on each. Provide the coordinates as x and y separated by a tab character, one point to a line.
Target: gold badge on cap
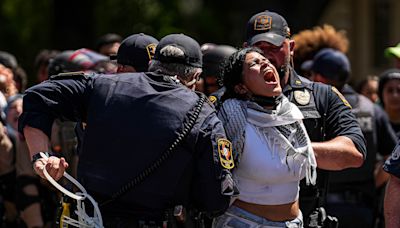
263	22
302	97
151	50
225	153
213	99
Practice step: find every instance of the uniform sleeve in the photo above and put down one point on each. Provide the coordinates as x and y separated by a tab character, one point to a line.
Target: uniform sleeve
392	164
58	98
208	193
340	121
386	137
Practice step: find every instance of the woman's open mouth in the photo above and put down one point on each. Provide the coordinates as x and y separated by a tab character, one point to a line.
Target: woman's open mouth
269	77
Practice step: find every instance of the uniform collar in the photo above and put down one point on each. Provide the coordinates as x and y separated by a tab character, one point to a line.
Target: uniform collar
297	82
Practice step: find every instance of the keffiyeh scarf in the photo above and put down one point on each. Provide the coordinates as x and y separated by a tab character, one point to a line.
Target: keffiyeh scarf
281	128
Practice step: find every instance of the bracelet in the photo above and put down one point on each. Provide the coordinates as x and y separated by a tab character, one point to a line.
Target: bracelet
38	156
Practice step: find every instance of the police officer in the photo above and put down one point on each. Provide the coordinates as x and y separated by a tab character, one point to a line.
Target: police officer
337	139
352	194
391	203
136	160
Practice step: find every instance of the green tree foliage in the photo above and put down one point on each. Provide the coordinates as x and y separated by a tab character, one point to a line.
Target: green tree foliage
25	26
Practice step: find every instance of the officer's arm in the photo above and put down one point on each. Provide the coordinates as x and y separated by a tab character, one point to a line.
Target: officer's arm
345	145
64	98
209	178
61	98
337	154
391	203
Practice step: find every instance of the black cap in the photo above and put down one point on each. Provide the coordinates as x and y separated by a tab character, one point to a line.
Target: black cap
267	26
330	63
137	50
8	60
213	58
191	49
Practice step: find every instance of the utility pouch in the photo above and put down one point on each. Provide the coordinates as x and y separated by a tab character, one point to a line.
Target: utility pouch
318	218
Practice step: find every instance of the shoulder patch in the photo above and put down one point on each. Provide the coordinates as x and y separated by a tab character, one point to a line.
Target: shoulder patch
225	153
76	74
212	98
340	95
302	97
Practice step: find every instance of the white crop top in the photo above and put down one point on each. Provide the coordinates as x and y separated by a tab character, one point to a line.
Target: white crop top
267	174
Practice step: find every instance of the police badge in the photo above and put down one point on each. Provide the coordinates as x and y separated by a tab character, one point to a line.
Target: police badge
302	97
212	99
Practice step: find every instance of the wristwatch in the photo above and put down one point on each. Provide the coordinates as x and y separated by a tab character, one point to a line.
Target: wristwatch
38	156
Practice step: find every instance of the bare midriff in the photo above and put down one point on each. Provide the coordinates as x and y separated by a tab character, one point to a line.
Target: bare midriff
276	213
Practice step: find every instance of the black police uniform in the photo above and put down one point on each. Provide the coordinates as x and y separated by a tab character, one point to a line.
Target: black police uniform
131	120
352	195
326	116
392	164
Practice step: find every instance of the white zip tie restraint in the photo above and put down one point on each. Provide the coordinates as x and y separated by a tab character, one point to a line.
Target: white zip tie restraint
84	220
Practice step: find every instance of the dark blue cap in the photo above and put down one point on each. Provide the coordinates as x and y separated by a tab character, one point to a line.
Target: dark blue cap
191	50
267	26
329	63
137	50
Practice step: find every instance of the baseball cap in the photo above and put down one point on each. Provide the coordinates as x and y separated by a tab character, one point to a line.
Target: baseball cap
8	60
329	63
393	51
79	60
137	50
191	49
267	26
87	58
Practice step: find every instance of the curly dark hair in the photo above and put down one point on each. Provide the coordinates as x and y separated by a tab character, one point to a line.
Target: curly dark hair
310	41
232	72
